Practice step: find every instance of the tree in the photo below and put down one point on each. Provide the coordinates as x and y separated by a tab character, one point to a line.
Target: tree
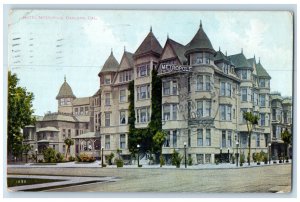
19	114
286	137
252	120
69	142
26	148
159	139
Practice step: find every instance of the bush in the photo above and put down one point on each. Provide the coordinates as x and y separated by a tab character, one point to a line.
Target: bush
110	158
254	157
71	158
85	158
40	161
59	157
119	163
242	158
49	155
162	160
176	159
190	161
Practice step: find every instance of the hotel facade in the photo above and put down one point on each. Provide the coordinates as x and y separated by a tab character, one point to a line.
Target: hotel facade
204	95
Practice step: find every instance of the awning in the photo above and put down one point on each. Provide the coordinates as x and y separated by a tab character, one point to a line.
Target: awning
49	128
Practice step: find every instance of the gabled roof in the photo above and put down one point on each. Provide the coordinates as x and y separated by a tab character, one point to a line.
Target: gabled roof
129	58
81	101
59	117
65	91
220	56
178	49
199	42
110	65
261	72
252	62
240	61
149	45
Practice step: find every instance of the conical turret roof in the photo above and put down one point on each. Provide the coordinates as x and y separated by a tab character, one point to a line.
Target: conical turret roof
150	44
199	42
261	72
110	65
65	91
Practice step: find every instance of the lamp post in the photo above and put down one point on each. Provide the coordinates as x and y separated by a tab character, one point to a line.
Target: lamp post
237	153
228	155
36	158
102	162
184	154
269	153
138	153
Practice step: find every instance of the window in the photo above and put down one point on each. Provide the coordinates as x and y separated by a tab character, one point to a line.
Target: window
225	89
255	98
174	138
107	99
107	79
107	119
122	117
257	140
243	120
233	113
64	133
262	120
107	141
69	133
207	158
262	100
262	83
223	84
76	111
228	89
244	74
64	148
244	94
143	92
189	84
203	108
122	141
200	137
223	138
167	141
166	112
174	85
123	95
81	110
174	111
225	112
143	70
229	138
86	110
166	87
201	80
200	158
208	137
143	115
125	76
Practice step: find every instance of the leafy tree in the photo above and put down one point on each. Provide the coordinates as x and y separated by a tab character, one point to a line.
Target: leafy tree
132	135
49	155
176	158
159	139
26	148
68	142
286	137
19	114
252	120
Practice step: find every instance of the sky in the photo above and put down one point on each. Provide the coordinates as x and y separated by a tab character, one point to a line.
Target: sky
46	45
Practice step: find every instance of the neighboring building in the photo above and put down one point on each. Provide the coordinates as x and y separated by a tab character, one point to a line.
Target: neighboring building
281	120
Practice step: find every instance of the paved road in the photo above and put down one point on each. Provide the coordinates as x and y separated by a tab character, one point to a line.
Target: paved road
254	179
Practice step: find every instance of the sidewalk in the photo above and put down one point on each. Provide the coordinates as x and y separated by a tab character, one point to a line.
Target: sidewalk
97	164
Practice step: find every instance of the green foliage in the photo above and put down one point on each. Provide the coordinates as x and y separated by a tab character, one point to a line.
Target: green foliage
19	114
162	161
176	159
190	161
110	158
59	157
72	158
251	121
49	155
159	139
242	158
144	137
119	163
68	142
26	148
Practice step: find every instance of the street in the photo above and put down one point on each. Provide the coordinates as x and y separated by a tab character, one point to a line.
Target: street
262	179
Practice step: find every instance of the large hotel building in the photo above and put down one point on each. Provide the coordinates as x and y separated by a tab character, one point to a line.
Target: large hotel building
204	95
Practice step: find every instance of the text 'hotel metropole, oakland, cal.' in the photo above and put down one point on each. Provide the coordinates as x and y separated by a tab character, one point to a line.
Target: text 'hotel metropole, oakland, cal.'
204	95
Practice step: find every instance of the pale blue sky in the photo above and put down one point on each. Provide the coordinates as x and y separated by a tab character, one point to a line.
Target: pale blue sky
48	49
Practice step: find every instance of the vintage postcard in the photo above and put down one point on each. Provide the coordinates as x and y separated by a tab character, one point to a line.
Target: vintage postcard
150	101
